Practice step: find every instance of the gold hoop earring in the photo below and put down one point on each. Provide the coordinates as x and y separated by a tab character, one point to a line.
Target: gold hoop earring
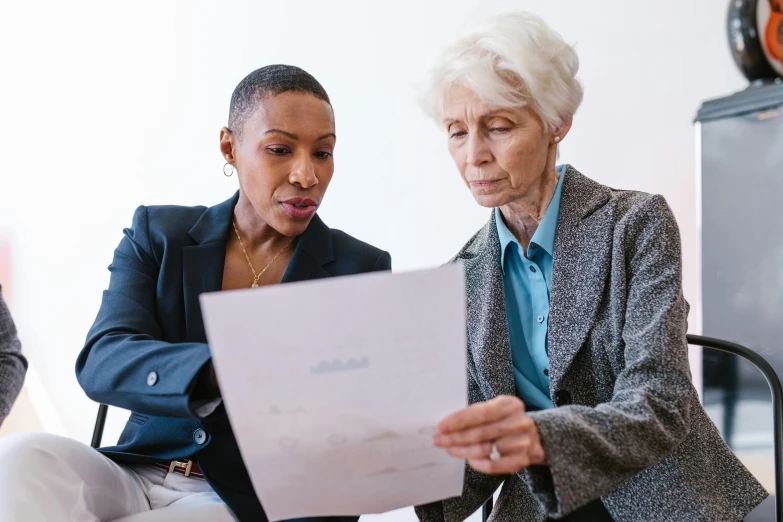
229	173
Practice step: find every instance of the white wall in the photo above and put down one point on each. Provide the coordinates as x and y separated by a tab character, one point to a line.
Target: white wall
105	106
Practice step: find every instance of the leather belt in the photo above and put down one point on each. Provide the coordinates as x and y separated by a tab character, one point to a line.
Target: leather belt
186	467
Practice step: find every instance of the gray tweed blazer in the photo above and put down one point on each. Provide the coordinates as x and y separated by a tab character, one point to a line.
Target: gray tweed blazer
13	365
628	427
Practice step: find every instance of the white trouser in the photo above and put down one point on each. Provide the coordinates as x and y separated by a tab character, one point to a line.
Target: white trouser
47	478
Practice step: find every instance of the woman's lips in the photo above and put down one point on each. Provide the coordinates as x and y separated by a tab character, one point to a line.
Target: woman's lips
300	208
483	183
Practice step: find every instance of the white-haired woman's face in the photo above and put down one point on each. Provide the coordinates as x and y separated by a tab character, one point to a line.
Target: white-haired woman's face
501	153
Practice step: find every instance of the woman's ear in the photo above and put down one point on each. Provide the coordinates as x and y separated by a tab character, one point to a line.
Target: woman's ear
227	144
562	131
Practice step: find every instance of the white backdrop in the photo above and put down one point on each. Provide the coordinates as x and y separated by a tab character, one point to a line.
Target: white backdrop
105	106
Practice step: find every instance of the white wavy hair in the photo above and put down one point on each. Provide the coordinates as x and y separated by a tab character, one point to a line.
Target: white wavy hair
512	60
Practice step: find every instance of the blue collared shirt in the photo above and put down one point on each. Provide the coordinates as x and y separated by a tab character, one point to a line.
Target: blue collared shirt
527	282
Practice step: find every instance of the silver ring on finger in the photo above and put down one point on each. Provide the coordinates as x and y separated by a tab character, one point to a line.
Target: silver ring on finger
494	454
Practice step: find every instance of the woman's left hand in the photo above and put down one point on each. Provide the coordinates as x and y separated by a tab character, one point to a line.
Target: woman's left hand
470	434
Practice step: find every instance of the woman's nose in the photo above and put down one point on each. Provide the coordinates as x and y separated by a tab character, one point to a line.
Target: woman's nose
478	151
303	173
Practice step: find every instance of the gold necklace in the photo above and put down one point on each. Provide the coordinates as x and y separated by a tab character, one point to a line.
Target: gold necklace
256	277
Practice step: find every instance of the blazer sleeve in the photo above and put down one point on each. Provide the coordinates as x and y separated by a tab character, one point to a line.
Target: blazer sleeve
13	365
382	263
594	450
124	361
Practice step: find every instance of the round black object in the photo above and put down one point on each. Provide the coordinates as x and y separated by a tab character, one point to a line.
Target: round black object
747	45
562	398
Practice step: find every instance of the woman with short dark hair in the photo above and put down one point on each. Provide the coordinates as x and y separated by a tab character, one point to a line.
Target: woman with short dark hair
177	459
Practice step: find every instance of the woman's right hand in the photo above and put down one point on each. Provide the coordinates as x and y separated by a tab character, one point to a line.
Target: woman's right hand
501	423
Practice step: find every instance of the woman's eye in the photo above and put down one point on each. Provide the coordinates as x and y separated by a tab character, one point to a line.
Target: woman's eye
500	130
323	155
278	150
457	134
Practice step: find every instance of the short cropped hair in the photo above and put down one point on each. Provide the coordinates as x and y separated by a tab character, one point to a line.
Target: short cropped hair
269	81
512	60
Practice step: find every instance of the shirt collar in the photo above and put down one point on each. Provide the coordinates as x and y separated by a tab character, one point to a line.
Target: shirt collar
505	236
544	235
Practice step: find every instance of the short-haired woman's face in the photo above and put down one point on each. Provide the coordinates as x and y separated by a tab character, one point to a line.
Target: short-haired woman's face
501	153
284	159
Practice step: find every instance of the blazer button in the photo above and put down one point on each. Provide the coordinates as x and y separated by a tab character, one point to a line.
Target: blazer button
200	436
152	378
562	398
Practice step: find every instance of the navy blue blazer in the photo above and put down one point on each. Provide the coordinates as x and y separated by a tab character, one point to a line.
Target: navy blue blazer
147	350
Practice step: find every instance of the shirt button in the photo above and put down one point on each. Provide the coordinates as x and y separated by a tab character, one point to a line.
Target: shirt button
200	436
540	318
546	372
533	246
152	379
532	268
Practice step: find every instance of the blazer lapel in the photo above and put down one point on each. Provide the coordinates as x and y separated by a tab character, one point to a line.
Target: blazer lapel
202	263
487	326
580	267
313	250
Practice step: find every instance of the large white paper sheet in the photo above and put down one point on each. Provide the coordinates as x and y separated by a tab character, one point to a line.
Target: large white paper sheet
334	388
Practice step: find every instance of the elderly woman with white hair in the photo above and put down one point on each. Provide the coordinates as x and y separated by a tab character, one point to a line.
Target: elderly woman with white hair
582	404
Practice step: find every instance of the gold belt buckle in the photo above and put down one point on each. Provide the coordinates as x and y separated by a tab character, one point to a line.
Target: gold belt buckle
185	465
